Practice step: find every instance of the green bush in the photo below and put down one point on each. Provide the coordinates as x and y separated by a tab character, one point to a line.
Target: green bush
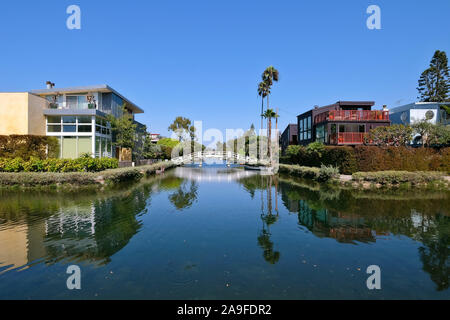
28	146
370	158
58	165
398	177
327	173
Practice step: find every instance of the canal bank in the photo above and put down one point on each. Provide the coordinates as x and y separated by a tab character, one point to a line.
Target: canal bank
371	180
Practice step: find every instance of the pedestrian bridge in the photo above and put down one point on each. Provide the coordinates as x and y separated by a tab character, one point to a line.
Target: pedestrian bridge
228	156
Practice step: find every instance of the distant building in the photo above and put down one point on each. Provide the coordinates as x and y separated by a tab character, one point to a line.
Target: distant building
289	137
342	123
417	111
155	137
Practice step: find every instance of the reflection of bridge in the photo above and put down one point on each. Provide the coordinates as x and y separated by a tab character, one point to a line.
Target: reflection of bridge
228	156
212	174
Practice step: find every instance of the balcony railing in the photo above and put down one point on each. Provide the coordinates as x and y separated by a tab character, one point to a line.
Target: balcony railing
352	115
347	138
79	106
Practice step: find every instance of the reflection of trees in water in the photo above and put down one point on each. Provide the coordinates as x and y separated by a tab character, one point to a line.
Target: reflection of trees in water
267	217
350	216
185	196
95	236
434	253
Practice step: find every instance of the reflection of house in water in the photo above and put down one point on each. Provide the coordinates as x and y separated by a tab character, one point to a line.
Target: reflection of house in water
325	224
91	232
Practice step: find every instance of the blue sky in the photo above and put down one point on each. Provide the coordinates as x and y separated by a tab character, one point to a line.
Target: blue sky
204	59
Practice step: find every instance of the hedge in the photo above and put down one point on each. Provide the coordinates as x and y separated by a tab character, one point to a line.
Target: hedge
397	177
79	179
371	158
86	164
28	146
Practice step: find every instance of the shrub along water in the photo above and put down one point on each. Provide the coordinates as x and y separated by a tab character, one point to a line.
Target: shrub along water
79	179
322	174
370	158
85	164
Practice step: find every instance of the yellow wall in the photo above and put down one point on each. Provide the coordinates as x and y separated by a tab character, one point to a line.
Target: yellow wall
22	113
14	247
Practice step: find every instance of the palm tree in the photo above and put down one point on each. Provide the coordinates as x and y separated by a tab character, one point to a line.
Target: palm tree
263	92
269	114
269	76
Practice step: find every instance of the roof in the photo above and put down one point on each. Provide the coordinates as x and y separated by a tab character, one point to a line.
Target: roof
96	88
418	105
339	104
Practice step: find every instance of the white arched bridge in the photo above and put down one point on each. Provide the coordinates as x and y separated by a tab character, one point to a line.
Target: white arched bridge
228	156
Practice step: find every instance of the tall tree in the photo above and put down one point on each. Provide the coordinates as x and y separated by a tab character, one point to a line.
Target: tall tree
434	83
269	114
263	92
181	127
270	76
124	129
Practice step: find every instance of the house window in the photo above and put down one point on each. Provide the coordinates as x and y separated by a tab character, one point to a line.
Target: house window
305	128
320	134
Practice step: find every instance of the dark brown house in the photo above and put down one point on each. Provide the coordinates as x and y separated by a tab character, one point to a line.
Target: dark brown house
342	123
289	137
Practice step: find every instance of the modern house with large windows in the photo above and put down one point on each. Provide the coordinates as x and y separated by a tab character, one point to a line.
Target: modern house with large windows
342	123
76	116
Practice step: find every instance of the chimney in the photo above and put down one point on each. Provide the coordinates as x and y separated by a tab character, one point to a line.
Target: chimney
50	85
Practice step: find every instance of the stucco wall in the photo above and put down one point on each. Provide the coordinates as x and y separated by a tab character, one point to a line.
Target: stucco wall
36	118
21	113
13	113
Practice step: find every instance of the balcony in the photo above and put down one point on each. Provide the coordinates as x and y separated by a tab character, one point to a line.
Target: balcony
352	115
347	138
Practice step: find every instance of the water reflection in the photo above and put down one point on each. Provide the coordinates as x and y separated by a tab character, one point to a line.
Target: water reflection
52	228
352	217
274	217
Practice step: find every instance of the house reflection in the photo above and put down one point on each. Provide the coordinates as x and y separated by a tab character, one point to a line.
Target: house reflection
90	231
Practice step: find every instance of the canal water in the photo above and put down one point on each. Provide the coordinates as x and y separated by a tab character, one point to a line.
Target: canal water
224	233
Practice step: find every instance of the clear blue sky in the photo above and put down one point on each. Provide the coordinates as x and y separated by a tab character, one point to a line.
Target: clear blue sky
204	59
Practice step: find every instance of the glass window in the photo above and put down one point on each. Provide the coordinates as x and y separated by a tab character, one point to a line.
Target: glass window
84	128
84	145
69	147
85	119
301	125
54	119
70	128
54	128
98	129
69	119
362	128
341	128
72	102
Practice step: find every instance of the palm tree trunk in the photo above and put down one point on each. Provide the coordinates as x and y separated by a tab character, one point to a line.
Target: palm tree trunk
269	140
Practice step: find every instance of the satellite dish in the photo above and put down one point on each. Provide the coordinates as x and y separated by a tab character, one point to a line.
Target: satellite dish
429	115
404	117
